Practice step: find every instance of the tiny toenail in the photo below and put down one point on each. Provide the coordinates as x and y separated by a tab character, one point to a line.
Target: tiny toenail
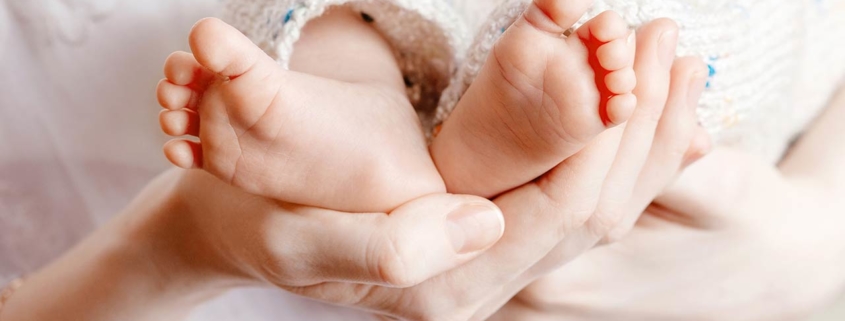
367	18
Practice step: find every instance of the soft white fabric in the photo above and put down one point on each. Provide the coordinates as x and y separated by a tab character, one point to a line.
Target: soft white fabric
79	133
427	36
773	63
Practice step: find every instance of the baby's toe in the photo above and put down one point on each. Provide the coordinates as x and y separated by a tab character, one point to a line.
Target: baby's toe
620	108
175	97
604	28
182	69
618	53
183	153
226	51
554	16
621	81
179	122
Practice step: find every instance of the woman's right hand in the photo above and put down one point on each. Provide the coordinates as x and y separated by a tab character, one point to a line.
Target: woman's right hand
407	264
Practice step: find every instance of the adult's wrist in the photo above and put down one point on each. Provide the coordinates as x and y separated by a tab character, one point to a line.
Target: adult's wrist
119	272
163	229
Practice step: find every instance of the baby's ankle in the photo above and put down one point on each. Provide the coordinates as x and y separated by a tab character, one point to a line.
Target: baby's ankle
343	45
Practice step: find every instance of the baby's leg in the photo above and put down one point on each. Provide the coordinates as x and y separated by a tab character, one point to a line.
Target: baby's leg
352	143
538	99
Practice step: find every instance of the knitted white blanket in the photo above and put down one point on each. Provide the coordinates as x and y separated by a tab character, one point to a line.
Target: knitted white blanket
773	64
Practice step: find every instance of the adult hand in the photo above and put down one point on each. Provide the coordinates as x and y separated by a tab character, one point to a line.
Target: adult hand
735	238
427	260
189	236
568	210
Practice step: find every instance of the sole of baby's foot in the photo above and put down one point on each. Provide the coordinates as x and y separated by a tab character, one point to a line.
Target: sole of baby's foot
543	93
287	135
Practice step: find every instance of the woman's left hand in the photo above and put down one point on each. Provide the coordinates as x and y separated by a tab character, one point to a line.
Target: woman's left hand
735	238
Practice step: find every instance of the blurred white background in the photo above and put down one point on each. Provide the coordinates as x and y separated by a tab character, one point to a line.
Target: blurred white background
79	131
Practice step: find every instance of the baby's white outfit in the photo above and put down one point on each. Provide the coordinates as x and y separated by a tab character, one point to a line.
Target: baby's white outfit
773	64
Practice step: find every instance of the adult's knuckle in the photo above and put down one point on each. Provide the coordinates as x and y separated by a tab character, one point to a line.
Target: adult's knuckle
616	235
605	219
677	149
652	114
388	262
434	306
574	218
277	272
275	263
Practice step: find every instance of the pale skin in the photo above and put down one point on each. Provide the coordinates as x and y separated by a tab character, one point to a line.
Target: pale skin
571	208
276	133
733	235
141	260
812	167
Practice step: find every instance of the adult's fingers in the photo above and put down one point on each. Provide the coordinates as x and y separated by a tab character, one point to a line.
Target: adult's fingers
541	214
820	153
700	146
672	141
710	189
291	245
656	45
655	53
421	239
537	216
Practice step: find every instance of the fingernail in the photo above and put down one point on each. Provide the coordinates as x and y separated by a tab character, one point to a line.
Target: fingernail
696	88
667	42
632	38
474	227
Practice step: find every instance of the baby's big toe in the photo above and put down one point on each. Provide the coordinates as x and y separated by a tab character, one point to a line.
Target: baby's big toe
555	16
225	50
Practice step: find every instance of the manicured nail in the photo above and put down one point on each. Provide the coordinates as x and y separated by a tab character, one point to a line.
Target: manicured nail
474	227
696	87
667	43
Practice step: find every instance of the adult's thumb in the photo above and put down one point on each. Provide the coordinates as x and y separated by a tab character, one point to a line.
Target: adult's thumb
415	242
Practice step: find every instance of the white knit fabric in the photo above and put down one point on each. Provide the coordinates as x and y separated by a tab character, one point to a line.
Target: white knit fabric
427	36
774	64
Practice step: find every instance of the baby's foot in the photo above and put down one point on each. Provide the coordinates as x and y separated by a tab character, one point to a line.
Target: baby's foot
538	99
287	135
